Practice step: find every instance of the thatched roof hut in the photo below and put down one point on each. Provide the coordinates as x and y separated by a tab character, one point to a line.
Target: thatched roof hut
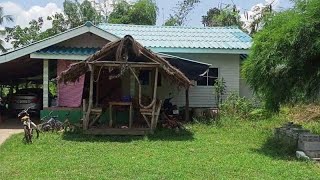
124	52
117	58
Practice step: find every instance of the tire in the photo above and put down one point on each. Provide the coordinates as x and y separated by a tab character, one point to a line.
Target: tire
27	134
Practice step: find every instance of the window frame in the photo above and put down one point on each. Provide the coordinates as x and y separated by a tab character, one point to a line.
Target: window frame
206	75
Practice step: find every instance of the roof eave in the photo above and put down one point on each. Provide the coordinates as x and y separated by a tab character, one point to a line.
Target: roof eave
31	48
199	50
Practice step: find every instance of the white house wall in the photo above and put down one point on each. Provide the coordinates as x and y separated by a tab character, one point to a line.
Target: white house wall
203	96
245	90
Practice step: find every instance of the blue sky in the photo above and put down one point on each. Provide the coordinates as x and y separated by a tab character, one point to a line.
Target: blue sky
25	10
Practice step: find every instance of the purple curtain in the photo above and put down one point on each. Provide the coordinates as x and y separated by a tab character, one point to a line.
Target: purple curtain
69	95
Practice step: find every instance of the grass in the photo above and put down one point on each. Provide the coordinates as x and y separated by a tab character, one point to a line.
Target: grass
230	150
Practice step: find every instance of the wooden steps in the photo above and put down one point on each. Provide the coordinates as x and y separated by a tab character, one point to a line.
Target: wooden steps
118	131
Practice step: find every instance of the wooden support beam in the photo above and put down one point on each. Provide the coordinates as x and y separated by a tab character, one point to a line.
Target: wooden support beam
153	125
86	122
84	109
131	64
187	106
97	93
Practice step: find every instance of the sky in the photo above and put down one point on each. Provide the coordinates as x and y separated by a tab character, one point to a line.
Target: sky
26	10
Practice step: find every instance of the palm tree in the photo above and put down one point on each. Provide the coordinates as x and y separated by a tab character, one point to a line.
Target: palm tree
3	18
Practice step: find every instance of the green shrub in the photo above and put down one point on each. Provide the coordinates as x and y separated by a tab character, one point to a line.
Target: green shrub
242	108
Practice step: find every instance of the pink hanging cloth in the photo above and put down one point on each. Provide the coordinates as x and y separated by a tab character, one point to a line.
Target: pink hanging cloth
70	94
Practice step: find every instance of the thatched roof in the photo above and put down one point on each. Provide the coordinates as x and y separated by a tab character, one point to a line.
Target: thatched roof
124	50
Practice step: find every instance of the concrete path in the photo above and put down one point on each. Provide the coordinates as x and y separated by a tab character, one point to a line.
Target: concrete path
8	128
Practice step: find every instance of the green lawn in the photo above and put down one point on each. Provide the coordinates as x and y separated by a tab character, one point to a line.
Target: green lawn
234	150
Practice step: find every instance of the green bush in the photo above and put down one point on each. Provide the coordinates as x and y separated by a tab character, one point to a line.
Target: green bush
242	108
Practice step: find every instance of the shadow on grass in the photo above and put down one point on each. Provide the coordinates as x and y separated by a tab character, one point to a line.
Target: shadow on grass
159	135
272	148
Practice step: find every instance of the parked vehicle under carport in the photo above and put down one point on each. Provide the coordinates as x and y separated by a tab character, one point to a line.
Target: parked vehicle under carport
25	98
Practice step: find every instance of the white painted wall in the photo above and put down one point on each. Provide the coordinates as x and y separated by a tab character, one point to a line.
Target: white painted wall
203	96
245	90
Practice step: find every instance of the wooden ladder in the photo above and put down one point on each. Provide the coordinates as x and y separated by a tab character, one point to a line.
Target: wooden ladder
151	115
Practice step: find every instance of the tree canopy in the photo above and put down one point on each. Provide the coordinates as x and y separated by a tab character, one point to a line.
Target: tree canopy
179	16
142	12
226	16
284	65
74	14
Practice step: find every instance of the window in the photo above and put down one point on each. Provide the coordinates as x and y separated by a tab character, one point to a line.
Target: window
209	78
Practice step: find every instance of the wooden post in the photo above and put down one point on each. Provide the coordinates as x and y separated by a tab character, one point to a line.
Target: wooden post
97	93
187	106
84	109
153	125
86	122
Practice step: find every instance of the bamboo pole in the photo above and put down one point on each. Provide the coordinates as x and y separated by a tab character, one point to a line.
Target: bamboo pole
90	97
84	109
97	93
153	125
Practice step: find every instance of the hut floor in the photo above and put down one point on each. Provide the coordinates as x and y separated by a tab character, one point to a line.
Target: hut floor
118	131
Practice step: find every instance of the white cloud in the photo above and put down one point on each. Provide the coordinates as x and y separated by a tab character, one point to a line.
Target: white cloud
22	17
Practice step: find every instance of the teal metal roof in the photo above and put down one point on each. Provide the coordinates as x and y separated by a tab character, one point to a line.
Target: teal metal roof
182	37
67	50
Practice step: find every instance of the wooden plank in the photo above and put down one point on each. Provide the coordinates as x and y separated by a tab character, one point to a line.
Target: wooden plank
147	120
95	119
120	62
116	103
116	131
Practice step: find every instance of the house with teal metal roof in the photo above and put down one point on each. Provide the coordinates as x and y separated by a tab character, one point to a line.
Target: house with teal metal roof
221	48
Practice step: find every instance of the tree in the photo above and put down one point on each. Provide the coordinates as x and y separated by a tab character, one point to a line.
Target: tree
23	36
143	12
4	18
179	16
257	20
74	14
120	13
227	16
78	13
284	65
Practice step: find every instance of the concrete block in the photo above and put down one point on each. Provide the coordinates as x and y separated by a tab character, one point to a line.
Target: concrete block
308	146
313	154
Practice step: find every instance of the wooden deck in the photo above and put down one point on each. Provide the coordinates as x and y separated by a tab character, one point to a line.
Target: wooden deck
118	131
